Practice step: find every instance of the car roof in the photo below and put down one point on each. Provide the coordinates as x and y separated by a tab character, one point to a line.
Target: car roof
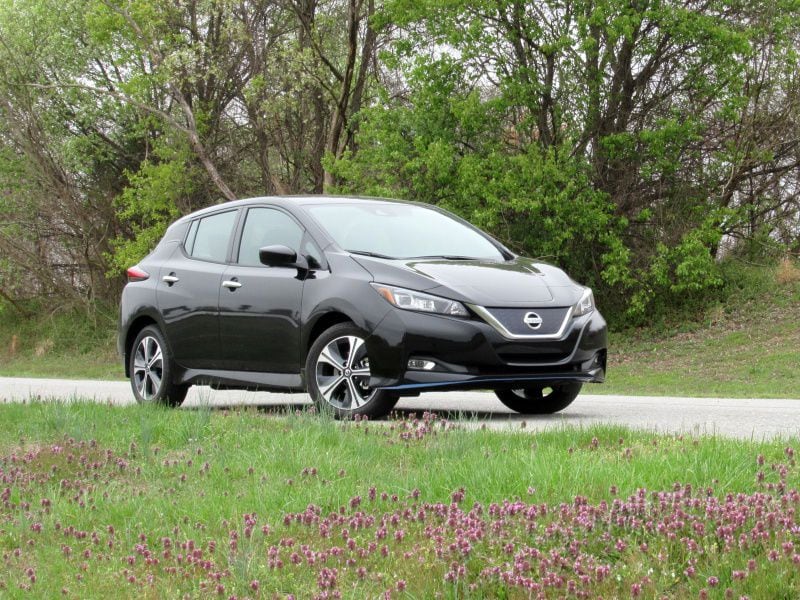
299	200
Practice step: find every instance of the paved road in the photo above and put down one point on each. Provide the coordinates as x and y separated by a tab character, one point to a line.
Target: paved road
751	418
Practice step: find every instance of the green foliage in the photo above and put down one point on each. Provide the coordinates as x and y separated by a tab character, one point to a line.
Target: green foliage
684	276
156	192
449	147
543	205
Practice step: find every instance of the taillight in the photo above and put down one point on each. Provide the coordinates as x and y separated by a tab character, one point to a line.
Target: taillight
136	273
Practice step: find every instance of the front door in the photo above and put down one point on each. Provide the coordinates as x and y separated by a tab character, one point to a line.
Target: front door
259	306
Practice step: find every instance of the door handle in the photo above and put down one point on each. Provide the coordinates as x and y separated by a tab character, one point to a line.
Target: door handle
170	279
231	284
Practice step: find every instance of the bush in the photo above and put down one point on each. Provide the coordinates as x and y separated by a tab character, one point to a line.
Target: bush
541	203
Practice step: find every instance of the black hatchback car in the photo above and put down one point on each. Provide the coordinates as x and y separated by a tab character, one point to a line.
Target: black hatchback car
357	301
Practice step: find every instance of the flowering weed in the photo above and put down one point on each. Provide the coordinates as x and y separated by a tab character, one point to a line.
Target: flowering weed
264	506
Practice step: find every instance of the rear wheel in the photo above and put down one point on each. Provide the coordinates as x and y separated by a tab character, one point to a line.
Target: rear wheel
544	400
151	370
338	372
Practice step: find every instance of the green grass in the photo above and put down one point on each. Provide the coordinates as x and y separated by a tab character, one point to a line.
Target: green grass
748	347
72	473
60	344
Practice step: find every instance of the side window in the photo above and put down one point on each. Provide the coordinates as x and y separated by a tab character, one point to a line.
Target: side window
211	237
267	227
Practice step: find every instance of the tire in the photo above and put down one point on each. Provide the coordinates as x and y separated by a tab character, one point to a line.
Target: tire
337	376
151	366
538	401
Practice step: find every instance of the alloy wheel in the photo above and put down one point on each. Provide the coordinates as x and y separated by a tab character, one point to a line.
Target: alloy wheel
342	373
148	368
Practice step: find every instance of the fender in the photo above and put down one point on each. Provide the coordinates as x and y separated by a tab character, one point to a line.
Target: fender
147	312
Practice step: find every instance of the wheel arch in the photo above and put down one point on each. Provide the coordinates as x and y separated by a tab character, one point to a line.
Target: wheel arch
139	323
321	324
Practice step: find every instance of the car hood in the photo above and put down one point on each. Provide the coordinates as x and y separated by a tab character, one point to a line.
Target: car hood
518	282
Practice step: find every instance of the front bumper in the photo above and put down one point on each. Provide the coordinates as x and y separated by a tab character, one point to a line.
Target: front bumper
471	354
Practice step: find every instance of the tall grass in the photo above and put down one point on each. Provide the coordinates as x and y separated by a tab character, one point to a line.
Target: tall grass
60	343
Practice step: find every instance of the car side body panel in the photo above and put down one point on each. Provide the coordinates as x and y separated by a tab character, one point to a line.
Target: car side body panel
259	322
189	309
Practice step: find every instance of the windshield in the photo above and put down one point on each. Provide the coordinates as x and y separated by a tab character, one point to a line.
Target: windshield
390	230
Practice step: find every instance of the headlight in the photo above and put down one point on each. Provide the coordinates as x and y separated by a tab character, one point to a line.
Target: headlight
585	305
411	300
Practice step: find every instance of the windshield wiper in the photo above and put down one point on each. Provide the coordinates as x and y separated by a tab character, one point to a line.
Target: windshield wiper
371	254
445	257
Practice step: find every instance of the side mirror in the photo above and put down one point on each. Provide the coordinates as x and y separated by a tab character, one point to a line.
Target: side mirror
283	256
277	256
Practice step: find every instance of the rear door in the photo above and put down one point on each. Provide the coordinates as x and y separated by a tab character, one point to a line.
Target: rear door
189	290
260	305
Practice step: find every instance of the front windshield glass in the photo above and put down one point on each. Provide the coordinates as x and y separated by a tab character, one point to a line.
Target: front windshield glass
401	231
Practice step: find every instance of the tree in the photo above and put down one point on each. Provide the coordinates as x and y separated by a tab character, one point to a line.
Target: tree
683	114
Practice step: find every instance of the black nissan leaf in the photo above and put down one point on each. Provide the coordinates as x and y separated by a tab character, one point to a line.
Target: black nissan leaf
357	301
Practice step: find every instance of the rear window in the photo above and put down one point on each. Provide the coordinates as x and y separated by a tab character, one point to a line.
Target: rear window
210	236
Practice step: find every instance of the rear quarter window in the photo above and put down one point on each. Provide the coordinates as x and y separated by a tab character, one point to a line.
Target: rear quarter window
189	243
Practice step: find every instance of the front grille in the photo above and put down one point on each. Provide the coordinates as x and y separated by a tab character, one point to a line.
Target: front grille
513	320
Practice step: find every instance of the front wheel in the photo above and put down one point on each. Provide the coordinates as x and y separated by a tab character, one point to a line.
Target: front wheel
338	372
540	400
151	370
